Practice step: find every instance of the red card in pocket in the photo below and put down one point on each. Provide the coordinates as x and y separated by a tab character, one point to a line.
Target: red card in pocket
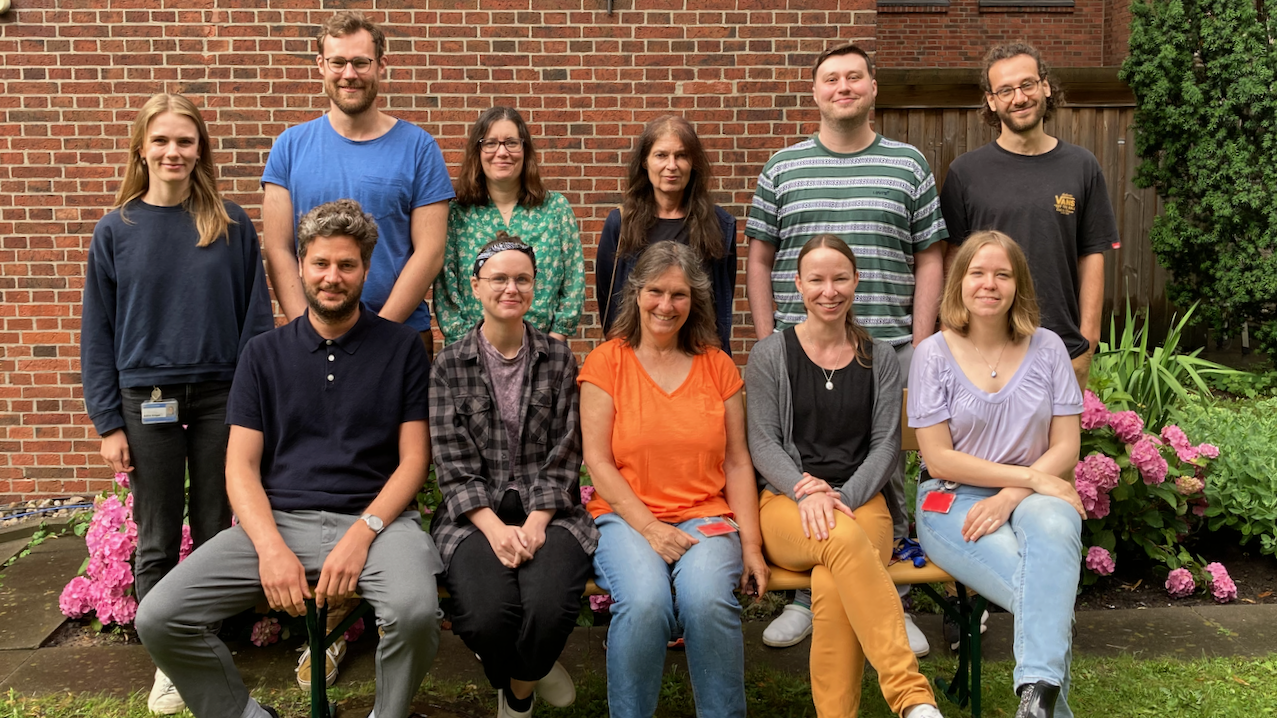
938	501
716	528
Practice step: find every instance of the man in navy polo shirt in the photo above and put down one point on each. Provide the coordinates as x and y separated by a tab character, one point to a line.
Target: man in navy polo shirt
328	447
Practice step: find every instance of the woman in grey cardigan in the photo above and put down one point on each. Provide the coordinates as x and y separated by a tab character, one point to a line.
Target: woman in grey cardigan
824	434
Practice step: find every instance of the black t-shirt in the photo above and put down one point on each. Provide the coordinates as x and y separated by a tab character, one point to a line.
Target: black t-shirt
330	409
1056	205
831	426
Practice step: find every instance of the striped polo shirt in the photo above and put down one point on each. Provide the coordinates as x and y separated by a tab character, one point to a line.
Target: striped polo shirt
882	201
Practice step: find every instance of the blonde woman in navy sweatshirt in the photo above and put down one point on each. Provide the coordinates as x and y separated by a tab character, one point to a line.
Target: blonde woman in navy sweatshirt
173	291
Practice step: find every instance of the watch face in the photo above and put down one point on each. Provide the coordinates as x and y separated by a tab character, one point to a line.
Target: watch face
373	522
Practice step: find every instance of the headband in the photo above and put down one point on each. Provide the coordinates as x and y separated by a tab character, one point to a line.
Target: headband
498	247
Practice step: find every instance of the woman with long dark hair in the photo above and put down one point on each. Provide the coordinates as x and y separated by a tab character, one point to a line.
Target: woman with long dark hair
499	190
667	198
173	290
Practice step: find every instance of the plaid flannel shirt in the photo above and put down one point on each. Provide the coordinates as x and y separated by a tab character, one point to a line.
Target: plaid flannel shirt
470	443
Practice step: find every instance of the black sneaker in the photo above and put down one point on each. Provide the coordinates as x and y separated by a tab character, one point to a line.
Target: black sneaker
273	713
952	633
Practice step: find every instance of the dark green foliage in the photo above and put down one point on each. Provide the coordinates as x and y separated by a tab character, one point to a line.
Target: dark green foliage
1204	74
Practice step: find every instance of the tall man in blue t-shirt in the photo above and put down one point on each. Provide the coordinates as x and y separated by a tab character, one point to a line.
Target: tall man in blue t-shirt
328	448
393	168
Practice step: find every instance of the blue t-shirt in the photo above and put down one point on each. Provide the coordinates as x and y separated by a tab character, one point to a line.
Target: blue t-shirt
330	409
389	176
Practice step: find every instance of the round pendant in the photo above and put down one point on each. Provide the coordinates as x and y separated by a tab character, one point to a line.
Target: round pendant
829	386
994	373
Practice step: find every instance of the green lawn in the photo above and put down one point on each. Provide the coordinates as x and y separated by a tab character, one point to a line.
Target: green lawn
1103	687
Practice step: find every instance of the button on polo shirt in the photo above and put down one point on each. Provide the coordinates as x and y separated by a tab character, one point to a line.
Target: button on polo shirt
330	409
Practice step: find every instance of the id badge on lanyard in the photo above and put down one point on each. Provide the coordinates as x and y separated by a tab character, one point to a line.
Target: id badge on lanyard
159	410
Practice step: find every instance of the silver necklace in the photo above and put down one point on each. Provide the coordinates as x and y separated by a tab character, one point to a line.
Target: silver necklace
829	377
993	368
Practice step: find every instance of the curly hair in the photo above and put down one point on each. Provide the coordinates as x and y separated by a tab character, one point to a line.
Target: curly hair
699	332
997	53
340	218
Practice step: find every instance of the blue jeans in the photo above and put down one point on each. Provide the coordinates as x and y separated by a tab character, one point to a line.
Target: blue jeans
645	615
1029	566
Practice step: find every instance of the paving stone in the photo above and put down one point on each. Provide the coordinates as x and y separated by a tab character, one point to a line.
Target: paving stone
10	661
109	670
29	610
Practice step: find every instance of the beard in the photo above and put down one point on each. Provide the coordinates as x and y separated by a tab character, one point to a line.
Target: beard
330	314
1024	124
353	105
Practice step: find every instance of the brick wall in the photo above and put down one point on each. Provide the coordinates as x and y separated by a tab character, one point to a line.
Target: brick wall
1089	34
73	75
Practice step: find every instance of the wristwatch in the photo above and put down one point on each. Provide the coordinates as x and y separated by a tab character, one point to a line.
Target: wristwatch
373	522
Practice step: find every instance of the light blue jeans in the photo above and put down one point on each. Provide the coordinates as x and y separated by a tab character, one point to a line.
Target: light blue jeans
1029	566
645	615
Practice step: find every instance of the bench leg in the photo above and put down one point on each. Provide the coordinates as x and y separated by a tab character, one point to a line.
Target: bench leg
973	628
316	623
965	686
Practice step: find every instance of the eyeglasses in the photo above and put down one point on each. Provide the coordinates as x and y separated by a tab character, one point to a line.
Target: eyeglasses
499	282
1028	87
514	145
338	64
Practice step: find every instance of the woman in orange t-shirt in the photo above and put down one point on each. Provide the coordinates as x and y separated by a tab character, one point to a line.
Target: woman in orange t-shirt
663	428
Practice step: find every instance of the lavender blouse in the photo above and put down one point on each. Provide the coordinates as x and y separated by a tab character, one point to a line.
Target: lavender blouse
1011	426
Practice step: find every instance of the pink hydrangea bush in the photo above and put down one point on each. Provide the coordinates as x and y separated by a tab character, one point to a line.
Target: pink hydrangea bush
265	631
1221	585
1180	583
600	604
353	633
1129	468
587	494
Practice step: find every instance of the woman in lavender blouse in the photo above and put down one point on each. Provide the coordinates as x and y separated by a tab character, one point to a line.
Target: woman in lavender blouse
996	406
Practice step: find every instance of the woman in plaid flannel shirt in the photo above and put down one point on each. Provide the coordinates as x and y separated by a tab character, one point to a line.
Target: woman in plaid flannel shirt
515	540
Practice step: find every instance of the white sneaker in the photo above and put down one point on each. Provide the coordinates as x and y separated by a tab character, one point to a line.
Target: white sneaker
556	688
164	699
924	710
917	640
790	627
504	711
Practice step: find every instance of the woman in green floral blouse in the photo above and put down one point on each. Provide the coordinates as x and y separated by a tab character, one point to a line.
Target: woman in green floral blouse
499	190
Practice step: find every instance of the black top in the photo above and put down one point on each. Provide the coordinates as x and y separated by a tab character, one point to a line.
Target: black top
1056	205
831	427
330	409
722	271
160	310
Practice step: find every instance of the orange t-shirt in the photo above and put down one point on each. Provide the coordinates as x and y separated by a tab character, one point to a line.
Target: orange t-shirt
669	447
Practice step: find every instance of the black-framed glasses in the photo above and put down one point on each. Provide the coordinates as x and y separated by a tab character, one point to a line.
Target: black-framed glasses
499	282
1028	87
513	145
338	64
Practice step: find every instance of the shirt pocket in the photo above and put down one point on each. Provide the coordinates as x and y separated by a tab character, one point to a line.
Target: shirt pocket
475	413
540	416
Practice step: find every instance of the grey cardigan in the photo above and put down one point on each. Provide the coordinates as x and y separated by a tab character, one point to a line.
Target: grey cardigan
777	463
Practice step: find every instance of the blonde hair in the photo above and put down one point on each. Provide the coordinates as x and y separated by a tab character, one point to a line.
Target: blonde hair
1023	318
204	201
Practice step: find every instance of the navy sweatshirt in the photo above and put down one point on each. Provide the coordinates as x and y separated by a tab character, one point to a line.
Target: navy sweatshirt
160	310
722	272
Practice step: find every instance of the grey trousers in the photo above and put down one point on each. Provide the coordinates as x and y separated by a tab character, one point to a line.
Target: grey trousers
221	579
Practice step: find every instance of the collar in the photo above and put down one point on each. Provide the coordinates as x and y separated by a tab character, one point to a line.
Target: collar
348	342
538	343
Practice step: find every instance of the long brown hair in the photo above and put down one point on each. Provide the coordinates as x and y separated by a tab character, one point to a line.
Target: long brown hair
856	334
699	331
1022	319
204	202
472	186
638	208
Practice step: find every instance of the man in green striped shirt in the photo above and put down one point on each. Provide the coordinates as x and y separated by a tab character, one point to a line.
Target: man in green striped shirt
877	194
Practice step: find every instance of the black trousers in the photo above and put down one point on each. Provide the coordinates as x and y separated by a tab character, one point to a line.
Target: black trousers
517	619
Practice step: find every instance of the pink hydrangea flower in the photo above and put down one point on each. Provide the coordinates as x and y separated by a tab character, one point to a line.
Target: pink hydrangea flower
353	633
599	604
122	479
1098	470
1099	560
1095	415
1099	508
1149	461
587	493
187	544
1174	436
1210	451
1221	585
1128	426
74	600
1180	583
1189	485
1200	505
265	631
